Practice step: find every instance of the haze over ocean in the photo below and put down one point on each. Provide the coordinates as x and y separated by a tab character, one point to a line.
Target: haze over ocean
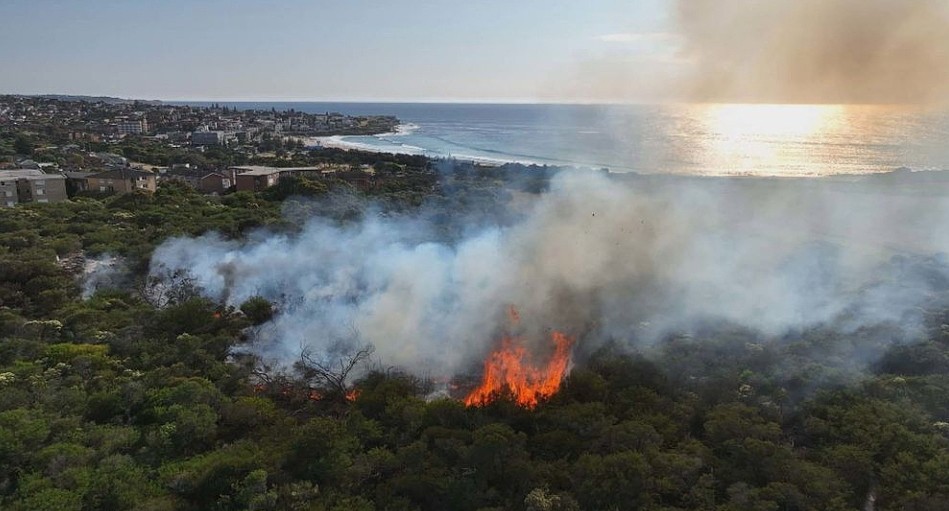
713	139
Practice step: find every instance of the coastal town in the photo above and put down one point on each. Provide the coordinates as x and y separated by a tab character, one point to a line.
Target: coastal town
52	148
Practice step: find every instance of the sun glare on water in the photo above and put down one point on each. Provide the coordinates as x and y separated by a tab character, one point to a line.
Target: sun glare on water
783	121
768	139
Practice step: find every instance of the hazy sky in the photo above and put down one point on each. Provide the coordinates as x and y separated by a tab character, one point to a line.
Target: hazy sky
328	49
803	51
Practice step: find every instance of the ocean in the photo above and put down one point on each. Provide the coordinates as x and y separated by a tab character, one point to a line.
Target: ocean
713	139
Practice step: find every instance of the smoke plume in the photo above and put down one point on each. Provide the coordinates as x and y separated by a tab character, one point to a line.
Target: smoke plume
103	272
598	257
816	51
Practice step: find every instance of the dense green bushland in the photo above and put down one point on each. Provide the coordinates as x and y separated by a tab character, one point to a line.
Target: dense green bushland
113	403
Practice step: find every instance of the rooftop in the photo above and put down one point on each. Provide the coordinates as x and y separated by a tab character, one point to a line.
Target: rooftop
258	170
193	173
122	174
77	175
27	174
255	170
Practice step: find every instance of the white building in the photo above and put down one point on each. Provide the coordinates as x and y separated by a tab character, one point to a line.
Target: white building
133	127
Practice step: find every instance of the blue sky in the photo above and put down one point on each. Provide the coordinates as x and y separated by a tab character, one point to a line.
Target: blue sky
549	50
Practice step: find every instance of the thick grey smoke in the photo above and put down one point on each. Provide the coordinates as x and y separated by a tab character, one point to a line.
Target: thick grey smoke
817	51
596	256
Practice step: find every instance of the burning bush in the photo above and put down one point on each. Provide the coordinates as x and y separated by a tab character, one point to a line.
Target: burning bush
512	368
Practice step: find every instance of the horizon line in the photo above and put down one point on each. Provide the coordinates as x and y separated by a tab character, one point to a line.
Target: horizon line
469	101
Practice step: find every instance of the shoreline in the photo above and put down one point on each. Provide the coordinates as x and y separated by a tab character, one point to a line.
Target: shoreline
404	129
337	142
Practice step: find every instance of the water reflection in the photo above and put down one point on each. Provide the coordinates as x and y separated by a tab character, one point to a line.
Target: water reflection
793	140
769	140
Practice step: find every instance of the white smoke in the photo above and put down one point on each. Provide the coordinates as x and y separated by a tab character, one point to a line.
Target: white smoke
103	272
596	256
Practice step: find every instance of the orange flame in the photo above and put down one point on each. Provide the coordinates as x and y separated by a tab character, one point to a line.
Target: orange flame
510	368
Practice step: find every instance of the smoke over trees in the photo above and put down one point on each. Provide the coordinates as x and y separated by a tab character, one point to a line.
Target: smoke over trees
597	257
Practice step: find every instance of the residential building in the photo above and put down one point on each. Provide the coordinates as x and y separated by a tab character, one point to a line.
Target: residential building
208	138
133	127
29	185
183	174
9	196
77	181
254	179
203	181
247	136
122	180
215	183
83	135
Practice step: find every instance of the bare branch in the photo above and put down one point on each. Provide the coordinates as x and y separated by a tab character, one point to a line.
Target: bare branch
333	375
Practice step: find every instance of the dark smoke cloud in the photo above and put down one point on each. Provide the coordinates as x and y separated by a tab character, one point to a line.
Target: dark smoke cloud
816	51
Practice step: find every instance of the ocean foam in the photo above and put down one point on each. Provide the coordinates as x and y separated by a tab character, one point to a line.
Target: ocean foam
400	131
341	142
392	147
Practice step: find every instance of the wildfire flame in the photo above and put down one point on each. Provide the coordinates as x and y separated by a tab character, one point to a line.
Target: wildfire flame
511	368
